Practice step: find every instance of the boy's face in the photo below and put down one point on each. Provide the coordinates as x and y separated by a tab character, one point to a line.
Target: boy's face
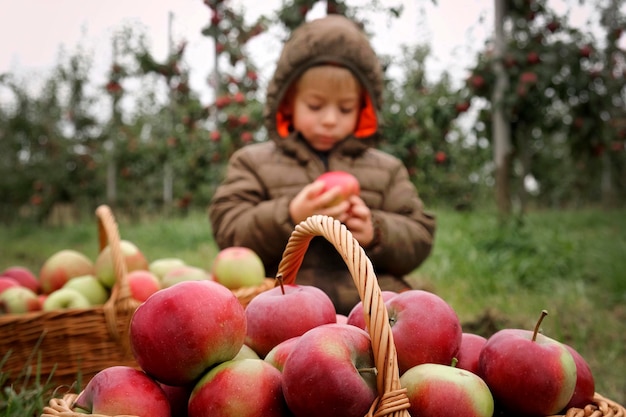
326	111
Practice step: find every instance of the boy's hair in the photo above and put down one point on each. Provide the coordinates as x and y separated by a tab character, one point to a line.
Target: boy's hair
340	78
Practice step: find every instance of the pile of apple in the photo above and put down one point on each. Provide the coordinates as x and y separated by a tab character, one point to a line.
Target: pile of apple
70	279
288	354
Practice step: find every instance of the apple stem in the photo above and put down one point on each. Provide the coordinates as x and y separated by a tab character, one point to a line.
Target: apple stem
279	277
454	362
371	370
543	314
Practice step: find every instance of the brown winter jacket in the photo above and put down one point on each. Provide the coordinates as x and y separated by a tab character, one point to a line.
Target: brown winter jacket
250	208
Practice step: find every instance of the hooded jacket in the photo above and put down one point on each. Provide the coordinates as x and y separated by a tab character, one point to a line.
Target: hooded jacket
250	207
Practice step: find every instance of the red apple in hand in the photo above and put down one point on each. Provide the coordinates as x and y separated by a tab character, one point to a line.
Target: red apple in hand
23	276
425	329
347	183
585	383
239	388
237	267
528	373
122	390
469	351
181	331
436	390
274	316
330	372
61	267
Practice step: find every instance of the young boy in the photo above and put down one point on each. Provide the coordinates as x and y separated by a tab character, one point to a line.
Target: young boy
321	115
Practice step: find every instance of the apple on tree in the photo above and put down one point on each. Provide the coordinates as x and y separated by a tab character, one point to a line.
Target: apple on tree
284	312
24	276
90	287
425	329
61	267
18	299
133	258
348	184
65	298
238	266
122	390
436	390
330	372
528	373
239	388
181	331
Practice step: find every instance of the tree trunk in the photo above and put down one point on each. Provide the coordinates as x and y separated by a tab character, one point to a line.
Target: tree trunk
502	148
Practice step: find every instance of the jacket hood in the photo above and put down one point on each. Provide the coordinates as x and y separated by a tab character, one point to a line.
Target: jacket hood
335	40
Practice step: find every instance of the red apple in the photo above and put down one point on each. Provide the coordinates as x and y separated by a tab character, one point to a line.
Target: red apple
341	318
237	267
528	373
585	383
274	316
425	329
184	273
133	257
142	284
178	397
7	282
347	183
279	353
241	388
17	300
181	331
61	266
122	390
330	372
469	351
436	390
23	276
356	317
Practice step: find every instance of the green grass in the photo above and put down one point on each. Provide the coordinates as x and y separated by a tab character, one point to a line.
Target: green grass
571	263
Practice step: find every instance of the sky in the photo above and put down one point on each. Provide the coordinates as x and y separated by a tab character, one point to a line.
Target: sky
34	32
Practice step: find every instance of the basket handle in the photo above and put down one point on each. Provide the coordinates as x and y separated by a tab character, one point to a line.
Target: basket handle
121	298
392	399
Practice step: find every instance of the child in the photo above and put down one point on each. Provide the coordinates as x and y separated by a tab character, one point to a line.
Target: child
321	114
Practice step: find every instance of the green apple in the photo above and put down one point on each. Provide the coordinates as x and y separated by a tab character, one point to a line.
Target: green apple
237	266
18	299
246	352
105	270
436	390
61	267
90	287
65	298
184	273
160	267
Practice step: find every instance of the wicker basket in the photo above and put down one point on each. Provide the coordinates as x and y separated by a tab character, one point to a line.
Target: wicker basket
73	344
392	400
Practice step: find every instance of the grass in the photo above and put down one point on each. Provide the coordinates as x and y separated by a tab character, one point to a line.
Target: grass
570	263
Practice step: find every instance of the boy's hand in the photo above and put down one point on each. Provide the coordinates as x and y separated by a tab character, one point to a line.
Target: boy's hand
359	221
310	200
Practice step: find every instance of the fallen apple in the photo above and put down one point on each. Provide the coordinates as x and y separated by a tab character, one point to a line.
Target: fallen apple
239	388
238	266
90	287
18	299
61	267
284	312
24	276
330	372
528	373
122	390
437	390
347	183
180	332
105	269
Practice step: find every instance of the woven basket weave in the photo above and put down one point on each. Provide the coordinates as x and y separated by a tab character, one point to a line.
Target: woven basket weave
67	345
392	399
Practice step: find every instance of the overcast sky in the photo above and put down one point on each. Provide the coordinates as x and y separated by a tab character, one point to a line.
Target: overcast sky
34	31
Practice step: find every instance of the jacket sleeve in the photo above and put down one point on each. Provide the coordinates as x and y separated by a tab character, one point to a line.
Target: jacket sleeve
405	232
241	213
